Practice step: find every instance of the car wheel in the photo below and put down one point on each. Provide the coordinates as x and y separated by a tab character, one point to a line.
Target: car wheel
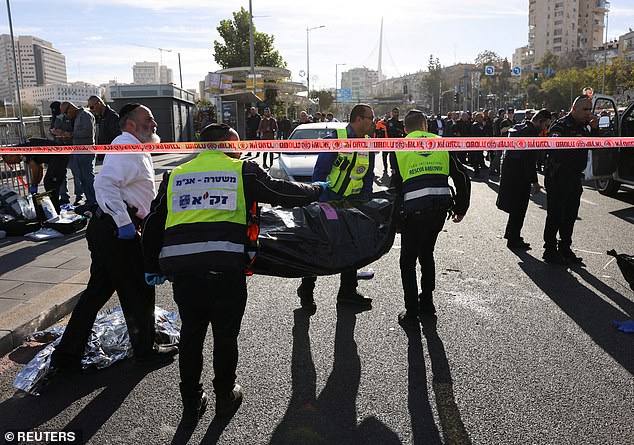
608	187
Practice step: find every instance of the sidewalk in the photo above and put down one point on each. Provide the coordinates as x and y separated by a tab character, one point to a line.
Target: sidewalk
40	281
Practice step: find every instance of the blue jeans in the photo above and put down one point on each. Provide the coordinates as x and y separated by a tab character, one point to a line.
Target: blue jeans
83	168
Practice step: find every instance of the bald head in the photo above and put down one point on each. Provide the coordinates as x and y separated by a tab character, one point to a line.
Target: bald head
582	110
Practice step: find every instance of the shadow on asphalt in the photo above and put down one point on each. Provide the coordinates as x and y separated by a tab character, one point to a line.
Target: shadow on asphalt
453	429
25	412
331	417
591	312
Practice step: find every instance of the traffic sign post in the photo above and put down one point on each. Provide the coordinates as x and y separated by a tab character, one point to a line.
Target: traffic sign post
516	71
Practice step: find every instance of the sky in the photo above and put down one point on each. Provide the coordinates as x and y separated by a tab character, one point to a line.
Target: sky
102	39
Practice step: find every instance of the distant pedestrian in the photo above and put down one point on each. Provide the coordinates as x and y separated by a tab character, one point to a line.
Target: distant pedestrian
267	130
519	180
82	165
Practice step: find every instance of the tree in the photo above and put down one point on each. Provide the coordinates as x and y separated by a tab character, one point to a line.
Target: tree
325	97
433	80
235	51
549	61
487	57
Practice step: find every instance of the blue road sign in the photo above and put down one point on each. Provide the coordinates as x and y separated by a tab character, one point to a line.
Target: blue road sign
344	95
548	71
517	71
489	70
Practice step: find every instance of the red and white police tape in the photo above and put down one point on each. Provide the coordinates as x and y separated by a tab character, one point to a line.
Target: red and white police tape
346	145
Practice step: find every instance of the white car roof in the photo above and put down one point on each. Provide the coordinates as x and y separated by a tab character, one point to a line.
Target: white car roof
321	125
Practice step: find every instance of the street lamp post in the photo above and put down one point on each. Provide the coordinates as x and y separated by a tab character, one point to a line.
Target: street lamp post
251	46
308	58
337	65
605	49
17	78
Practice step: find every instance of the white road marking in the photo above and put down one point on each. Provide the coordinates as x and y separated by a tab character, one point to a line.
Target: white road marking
588	202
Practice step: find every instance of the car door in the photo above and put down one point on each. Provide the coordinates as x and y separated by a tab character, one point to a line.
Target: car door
603	162
626	164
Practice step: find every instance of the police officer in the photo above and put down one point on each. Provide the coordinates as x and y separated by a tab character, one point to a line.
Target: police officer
519	179
349	174
124	190
421	180
563	182
197	234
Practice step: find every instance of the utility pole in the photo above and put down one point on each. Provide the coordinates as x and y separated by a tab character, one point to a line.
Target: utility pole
17	77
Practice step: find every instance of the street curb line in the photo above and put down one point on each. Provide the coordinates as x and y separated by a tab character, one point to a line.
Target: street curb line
39	313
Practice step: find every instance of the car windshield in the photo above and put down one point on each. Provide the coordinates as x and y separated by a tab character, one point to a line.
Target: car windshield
314	133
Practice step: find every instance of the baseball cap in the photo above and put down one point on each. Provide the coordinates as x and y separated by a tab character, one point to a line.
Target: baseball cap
510	110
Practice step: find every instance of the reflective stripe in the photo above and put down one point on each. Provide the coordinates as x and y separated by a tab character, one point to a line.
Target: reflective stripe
426	192
207	246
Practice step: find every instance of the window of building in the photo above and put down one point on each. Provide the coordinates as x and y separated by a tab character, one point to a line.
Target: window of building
558	22
557	49
558	32
557	40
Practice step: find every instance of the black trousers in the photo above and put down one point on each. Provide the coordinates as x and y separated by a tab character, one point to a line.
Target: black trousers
563	196
348	284
202	299
117	265
517	215
418	238
55	173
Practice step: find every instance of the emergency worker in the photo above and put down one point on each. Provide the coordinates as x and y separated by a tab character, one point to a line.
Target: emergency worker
380	131
519	179
421	181
563	182
198	234
124	191
349	175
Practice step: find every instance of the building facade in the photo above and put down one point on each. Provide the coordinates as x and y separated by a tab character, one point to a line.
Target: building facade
562	27
360	81
626	46
151	72
75	92
38	64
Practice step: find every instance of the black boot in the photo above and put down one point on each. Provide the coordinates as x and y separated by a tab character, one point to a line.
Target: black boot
194	406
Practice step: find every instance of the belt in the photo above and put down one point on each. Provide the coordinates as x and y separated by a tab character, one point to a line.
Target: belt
100	214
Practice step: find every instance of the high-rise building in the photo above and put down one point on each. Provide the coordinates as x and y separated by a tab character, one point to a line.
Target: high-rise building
38	64
360	81
151	72
564	26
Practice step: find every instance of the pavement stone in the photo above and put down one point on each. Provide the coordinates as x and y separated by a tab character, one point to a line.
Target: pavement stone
25	290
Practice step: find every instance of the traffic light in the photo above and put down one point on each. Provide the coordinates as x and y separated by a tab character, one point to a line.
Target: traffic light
535	77
456	98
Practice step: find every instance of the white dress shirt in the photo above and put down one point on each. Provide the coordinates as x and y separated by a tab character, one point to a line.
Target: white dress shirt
125	180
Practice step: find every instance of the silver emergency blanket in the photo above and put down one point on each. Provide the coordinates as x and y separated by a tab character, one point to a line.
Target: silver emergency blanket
108	342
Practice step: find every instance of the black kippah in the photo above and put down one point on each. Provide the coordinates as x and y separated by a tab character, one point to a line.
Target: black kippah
127	109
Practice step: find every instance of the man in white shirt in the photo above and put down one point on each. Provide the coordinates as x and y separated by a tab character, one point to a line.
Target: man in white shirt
124	189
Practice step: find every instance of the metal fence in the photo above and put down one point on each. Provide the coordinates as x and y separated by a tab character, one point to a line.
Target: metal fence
16	177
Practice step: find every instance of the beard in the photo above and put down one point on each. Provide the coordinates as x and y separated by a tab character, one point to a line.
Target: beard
147	135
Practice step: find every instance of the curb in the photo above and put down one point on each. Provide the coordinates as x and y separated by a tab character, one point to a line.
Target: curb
41	311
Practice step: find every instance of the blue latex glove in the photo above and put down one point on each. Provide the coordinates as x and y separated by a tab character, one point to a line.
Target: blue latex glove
625	326
126	232
154	279
323	184
33	189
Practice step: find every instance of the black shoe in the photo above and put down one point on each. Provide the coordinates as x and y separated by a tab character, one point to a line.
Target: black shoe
307	300
408	321
519	244
193	410
355	299
227	406
160	354
570	256
553	256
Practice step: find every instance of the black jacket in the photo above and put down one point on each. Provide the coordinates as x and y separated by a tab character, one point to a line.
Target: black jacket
258	187
457	173
108	126
395	128
519	171
567	161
